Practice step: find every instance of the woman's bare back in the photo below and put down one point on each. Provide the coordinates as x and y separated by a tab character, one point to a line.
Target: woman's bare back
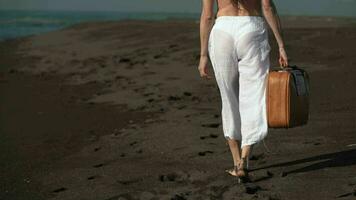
244	7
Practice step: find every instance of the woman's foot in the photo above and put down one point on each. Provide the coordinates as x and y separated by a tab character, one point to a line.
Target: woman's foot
232	171
242	170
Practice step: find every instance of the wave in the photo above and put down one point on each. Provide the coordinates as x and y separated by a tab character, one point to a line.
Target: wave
34	21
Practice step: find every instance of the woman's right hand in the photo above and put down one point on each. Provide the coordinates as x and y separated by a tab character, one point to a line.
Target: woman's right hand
283	58
203	67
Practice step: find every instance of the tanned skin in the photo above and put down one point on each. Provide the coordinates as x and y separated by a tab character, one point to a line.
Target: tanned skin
265	8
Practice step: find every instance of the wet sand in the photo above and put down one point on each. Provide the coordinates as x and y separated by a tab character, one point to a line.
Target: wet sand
117	110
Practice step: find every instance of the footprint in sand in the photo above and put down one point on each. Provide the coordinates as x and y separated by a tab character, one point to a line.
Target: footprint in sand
150	100
203	153
13	71
61	189
173	98
173	47
97	149
125	196
128	182
98	165
168	177
147	73
148	94
123	60
209	136
195	98
145	195
117	77
180	196
157	56
179	176
181	107
187	94
91	177
283	174
133	143
211	125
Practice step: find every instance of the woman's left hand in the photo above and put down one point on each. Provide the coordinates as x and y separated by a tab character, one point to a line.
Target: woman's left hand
203	67
283	58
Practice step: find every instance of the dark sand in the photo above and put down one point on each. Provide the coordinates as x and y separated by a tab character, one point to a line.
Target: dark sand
117	110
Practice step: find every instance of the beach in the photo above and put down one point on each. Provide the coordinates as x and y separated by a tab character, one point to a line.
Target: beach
117	110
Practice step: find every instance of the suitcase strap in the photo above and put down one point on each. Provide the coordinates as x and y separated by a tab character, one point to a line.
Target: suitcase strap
299	82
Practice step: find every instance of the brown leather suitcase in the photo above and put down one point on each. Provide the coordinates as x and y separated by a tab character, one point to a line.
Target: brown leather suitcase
287	97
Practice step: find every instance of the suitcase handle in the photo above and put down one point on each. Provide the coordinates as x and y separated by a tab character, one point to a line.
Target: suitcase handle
288	68
294	67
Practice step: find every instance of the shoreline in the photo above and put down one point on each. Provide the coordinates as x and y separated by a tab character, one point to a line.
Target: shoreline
320	21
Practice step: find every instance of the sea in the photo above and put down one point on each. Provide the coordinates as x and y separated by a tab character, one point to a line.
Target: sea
17	23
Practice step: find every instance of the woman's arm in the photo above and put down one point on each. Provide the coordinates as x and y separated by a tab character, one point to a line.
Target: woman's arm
272	18
206	23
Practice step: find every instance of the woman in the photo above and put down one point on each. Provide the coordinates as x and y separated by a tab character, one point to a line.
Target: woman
238	48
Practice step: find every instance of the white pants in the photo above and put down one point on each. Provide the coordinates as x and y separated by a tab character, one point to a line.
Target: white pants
239	53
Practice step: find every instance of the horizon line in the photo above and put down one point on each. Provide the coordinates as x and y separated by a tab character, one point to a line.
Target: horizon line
163	12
